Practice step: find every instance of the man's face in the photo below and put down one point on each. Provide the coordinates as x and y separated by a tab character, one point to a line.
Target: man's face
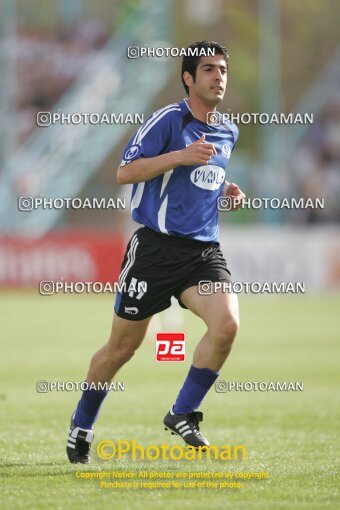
211	80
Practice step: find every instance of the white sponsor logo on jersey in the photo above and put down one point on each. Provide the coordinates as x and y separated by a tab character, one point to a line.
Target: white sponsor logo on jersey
208	177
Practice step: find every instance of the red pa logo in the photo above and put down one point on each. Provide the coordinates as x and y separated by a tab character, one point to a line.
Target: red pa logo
170	346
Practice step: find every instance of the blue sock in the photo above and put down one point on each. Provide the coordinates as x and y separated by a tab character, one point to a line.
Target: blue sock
88	408
194	389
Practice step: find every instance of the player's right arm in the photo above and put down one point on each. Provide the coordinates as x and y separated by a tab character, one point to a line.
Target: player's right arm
144	169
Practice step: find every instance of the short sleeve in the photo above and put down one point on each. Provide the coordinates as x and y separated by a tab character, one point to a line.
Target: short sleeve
153	137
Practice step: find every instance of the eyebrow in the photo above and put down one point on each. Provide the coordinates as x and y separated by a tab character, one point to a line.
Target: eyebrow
214	65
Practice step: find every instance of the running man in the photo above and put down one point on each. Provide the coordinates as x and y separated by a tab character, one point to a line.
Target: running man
177	164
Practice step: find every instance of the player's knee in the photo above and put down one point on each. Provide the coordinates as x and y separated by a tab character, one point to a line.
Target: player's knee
124	354
120	352
224	334
233	325
224	330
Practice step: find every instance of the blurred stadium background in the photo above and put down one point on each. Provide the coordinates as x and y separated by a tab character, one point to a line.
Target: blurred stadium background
68	57
62	56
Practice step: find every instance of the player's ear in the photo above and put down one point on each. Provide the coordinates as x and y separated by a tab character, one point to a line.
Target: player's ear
187	79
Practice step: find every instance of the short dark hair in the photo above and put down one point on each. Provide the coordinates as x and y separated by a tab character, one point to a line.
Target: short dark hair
193	56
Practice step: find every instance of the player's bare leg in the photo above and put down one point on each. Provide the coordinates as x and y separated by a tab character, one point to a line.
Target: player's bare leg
220	313
126	336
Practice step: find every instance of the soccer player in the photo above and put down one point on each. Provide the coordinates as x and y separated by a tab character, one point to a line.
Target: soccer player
177	164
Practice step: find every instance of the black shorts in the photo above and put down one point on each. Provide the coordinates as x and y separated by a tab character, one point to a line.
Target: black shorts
158	266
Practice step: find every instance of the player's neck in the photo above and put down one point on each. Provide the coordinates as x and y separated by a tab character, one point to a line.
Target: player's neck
200	109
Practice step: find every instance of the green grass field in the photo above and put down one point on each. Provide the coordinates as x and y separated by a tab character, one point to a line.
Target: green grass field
293	436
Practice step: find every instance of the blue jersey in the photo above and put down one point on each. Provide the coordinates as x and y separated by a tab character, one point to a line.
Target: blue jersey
182	201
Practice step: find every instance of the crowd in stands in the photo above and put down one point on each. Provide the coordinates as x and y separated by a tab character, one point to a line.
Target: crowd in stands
315	165
48	63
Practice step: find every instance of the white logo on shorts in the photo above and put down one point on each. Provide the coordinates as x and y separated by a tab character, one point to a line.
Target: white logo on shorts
132	310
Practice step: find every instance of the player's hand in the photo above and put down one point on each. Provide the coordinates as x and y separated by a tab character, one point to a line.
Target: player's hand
233	191
198	153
